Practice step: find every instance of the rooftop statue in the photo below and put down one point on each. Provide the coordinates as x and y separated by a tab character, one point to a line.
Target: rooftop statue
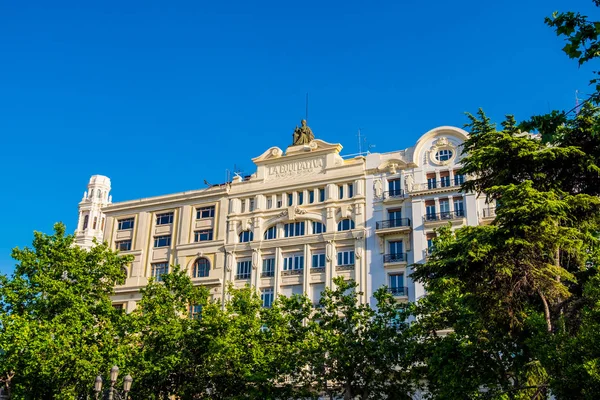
303	134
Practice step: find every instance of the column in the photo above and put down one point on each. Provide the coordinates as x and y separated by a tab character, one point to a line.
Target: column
451	201
437	204
451	172
277	288
306	272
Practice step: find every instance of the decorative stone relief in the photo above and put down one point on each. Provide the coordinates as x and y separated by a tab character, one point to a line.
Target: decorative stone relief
378	188
409	182
229	261
392	168
255	258
441	143
329	250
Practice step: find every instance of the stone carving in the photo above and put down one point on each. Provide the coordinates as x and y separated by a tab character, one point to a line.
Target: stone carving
358	253
392	167
378	188
229	261
409	181
302	134
276	152
255	257
329	250
441	142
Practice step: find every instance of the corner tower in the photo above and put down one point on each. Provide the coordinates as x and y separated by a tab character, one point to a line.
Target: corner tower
91	218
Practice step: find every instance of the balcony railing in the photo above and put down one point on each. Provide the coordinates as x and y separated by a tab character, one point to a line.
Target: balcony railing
444	215
393	223
242	276
395	257
441	184
344	267
317	270
291	272
398	291
267	274
396	193
489	212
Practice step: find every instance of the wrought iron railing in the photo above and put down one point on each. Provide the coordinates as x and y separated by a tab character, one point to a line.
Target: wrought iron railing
398	291
317	270
441	184
393	223
267	274
243	276
344	267
395	257
444	215
393	193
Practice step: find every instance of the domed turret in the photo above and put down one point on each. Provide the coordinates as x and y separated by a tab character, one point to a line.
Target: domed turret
91	219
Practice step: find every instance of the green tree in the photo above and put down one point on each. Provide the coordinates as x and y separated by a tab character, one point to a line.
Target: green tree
357	352
59	329
166	341
504	289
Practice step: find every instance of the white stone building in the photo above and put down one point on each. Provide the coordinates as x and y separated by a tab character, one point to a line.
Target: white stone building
410	193
304	217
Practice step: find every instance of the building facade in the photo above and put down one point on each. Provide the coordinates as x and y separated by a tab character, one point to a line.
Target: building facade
305	216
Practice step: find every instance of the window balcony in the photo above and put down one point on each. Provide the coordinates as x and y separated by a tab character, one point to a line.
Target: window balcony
267	274
395	258
292	272
317	270
440	185
344	267
444	216
393	225
242	276
394	194
398	291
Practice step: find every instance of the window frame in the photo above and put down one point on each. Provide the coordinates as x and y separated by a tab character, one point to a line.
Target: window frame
157	240
270	233
118	244
322	229
293	229
245	266
198	235
200	211
345	258
156	268
350	223
197	268
247	236
160	218
120	223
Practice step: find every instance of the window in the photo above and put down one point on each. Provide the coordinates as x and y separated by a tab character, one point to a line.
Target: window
345	257
126	224
246	236
322	195
271	233
158	270
266	295
345	225
395	215
294	229
251	205
430	239
443	155
444	209
195	311
164	219
445	180
459	179
85	222
318	227
397	285
123	245
201	268
162	241
350	190
311	196
204	235
431	183
95	222
300	198
318	261
430	212
459	207
290	199
268	267
243	205
293	262
340	192
394	188
396	247
244	269
279	201
205	212
102	225
269	203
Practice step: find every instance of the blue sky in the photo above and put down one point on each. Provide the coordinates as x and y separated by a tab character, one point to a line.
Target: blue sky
160	96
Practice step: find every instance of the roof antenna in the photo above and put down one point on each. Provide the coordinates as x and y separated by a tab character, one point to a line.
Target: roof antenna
306	115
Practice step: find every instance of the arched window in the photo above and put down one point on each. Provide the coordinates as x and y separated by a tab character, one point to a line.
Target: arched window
246	236
85	222
345	225
318	227
271	233
201	268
